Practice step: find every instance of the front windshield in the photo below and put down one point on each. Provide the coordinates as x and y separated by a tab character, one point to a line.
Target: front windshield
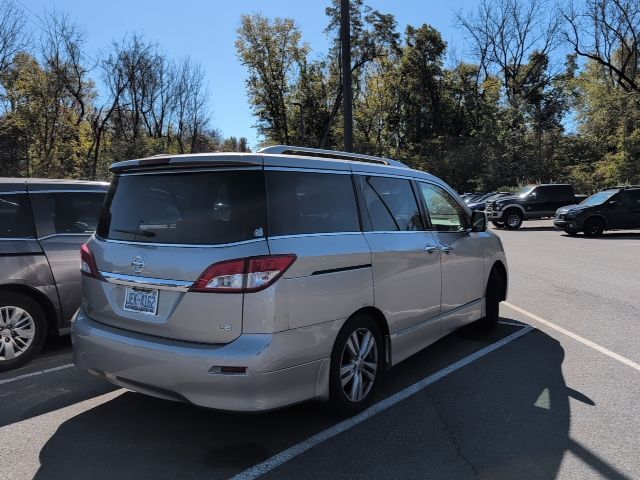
598	198
525	191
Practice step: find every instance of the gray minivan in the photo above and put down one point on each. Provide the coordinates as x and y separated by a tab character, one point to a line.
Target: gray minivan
43	223
249	282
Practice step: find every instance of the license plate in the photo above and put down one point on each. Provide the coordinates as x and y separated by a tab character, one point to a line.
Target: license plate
141	300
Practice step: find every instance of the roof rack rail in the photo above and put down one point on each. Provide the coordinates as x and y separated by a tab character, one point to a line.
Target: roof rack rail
330	154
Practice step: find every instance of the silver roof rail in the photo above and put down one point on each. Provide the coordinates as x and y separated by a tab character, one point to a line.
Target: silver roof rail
329	154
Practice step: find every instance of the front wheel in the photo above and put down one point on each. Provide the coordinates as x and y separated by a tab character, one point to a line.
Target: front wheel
513	219
356	365
593	227
23	329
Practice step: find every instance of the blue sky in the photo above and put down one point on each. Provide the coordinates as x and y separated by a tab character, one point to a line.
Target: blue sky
206	31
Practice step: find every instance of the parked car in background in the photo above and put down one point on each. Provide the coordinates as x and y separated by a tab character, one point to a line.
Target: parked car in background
253	281
533	201
480	204
43	223
614	208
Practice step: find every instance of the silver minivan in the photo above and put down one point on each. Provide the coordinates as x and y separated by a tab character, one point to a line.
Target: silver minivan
249	282
43	222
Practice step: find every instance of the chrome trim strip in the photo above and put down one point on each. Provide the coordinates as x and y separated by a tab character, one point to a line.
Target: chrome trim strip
305	235
187	245
88	234
88	190
147	282
14	239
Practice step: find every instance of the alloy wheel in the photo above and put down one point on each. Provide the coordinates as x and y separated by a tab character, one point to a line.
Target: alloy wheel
513	220
359	364
17	331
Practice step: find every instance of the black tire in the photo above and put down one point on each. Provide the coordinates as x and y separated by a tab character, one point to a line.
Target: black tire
497	224
513	219
593	227
341	402
493	297
39	326
571	232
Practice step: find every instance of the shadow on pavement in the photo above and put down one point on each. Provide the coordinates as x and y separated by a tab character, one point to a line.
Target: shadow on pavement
504	416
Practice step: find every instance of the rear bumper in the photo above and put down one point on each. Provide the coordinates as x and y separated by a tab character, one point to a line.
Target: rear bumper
178	370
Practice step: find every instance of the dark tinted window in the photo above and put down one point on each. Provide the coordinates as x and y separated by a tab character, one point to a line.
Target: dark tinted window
67	212
628	198
391	204
302	203
185	208
445	213
16	220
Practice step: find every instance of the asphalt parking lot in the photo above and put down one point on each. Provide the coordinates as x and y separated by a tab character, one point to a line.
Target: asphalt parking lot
553	392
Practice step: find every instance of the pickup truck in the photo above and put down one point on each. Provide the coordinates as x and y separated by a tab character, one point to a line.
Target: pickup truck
533	201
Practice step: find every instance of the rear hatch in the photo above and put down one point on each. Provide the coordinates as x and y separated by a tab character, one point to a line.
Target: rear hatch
158	233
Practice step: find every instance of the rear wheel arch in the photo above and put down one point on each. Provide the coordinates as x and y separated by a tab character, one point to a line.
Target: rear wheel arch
383	326
42	300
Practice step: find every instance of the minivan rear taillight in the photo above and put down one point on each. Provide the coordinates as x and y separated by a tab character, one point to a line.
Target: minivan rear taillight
88	263
243	275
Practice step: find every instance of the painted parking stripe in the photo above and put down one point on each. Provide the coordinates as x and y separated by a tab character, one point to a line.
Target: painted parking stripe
588	343
300	448
33	374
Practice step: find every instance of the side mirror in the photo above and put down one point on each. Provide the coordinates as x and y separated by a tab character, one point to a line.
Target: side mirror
612	203
533	195
478	221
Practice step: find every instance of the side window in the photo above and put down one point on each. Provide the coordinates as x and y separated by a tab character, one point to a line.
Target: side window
302	203
391	204
67	212
445	213
626	199
635	198
16	220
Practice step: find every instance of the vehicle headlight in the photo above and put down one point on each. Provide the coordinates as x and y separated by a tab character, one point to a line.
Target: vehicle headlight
569	215
499	206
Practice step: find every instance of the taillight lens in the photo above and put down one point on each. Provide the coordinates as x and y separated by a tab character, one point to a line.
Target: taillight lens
88	263
243	275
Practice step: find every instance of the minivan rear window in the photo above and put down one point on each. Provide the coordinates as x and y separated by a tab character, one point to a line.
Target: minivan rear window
185	208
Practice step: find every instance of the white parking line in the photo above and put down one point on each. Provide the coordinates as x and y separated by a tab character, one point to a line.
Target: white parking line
300	448
576	337
33	374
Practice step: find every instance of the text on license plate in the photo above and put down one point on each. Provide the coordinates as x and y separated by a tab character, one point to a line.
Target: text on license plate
142	300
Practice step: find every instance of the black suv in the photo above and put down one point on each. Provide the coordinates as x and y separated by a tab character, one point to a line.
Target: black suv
533	201
614	208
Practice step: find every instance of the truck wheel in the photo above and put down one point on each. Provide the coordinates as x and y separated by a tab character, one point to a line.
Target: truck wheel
23	329
593	227
513	219
497	224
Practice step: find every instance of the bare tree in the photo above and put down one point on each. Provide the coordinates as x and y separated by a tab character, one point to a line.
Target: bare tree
12	39
190	96
607	32
62	51
512	35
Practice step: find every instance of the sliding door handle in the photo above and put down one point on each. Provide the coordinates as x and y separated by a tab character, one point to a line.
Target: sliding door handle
446	249
430	249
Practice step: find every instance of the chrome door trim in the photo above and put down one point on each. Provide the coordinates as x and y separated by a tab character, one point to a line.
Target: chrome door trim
186	245
304	235
147	282
66	235
307	170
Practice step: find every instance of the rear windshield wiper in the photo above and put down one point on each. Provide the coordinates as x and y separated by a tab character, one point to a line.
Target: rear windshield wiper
142	233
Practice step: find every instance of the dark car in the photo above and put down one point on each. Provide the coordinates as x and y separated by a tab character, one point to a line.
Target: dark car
531	202
43	223
614	208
